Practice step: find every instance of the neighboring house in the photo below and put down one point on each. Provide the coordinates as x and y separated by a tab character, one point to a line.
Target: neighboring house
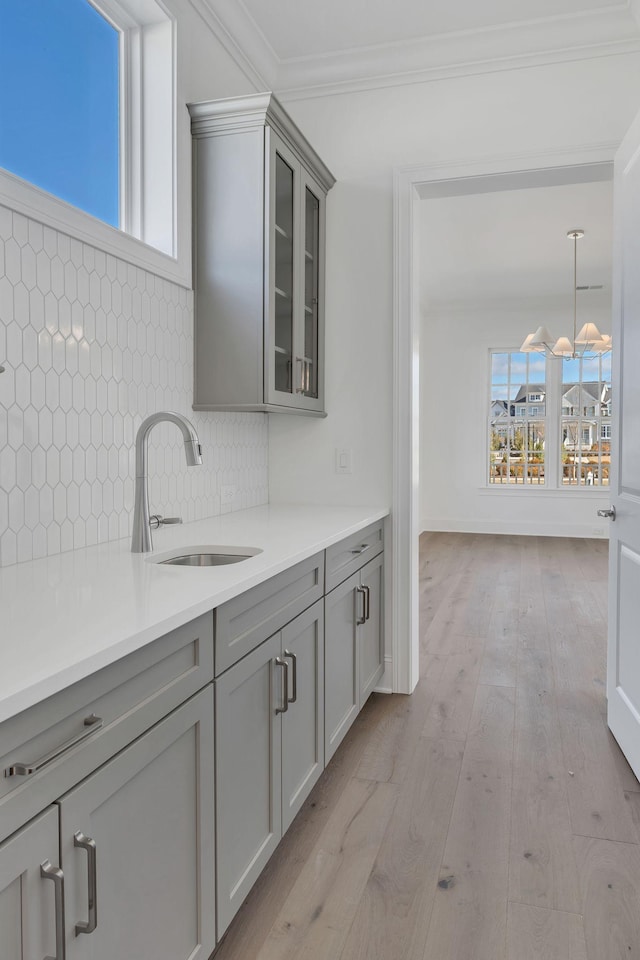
585	402
529	401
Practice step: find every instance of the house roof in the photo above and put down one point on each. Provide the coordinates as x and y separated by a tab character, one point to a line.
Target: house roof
530	388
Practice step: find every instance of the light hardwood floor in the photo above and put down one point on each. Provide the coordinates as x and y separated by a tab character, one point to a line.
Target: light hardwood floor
491	815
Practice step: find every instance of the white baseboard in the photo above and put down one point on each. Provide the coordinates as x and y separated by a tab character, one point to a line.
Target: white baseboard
386	680
515	528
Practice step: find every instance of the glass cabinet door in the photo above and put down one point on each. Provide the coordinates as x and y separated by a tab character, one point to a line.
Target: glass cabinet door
284	273
311	286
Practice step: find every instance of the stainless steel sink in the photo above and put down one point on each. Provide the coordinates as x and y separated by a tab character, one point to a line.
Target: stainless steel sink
206	559
204	555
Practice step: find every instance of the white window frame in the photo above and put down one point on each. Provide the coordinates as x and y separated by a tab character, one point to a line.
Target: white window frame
521	414
155	179
535	398
554	417
605	427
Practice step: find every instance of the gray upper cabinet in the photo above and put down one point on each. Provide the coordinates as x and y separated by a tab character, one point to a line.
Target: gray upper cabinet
259	278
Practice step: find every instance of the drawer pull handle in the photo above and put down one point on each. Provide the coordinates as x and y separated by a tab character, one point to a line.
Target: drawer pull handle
285	686
92	722
294	661
88	844
49	872
363	618
361	549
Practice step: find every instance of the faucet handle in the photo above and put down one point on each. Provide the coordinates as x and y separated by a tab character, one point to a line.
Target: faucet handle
155	521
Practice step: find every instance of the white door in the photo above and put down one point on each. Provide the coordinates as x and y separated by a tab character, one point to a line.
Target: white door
623	671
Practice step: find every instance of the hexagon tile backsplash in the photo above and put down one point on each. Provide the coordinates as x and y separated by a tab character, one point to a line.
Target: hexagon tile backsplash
91	346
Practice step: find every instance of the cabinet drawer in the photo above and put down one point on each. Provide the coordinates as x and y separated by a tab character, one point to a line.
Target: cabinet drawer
247	620
344	558
129	696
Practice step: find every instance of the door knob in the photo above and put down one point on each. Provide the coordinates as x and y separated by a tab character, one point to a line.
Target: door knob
610	513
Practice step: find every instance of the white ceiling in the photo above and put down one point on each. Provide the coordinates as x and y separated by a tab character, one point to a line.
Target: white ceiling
512	245
306	28
292	46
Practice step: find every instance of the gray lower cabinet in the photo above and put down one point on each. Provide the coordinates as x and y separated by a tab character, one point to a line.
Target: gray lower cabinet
30	903
137	846
269	751
354	649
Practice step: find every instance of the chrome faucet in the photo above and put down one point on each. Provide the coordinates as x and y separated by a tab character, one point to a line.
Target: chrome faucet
141	541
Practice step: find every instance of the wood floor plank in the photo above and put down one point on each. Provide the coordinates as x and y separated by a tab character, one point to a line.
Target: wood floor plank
538	934
316	917
450	709
542	870
596	799
469	916
393	915
390	749
610	880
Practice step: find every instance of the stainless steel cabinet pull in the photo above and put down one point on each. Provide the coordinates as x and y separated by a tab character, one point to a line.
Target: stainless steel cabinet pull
300	389
610	513
49	872
294	660
367	602
363	618
26	769
360	549
283	663
86	843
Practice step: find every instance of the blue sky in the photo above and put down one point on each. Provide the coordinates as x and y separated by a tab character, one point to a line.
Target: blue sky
59	101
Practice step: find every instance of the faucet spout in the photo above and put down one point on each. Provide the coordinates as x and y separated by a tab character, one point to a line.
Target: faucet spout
141	541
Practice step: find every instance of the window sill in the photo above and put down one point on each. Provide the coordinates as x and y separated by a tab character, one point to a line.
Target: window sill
39	205
496	490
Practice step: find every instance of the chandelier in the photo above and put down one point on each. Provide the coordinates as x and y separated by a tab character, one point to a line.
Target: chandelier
587	342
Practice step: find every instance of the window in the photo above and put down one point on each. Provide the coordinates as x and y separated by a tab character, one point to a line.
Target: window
516	440
88	116
535	397
63	56
586	400
562	442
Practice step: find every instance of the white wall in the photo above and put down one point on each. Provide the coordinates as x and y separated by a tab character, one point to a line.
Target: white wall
454	494
362	136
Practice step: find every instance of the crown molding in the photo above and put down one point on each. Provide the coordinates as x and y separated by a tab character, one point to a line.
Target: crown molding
237	32
600	33
512	46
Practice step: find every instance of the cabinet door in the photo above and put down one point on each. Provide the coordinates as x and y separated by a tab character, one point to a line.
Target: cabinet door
303	722
309	330
248	772
149	892
341	702
27	900
283	259
371	632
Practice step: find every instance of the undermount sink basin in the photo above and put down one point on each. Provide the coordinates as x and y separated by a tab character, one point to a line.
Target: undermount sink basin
207	559
204	556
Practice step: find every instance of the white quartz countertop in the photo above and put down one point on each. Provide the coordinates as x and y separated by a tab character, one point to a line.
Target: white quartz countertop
64	617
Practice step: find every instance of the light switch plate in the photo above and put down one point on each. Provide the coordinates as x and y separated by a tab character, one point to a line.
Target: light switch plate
344	460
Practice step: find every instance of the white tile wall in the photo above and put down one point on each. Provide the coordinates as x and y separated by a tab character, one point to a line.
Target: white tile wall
91	346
